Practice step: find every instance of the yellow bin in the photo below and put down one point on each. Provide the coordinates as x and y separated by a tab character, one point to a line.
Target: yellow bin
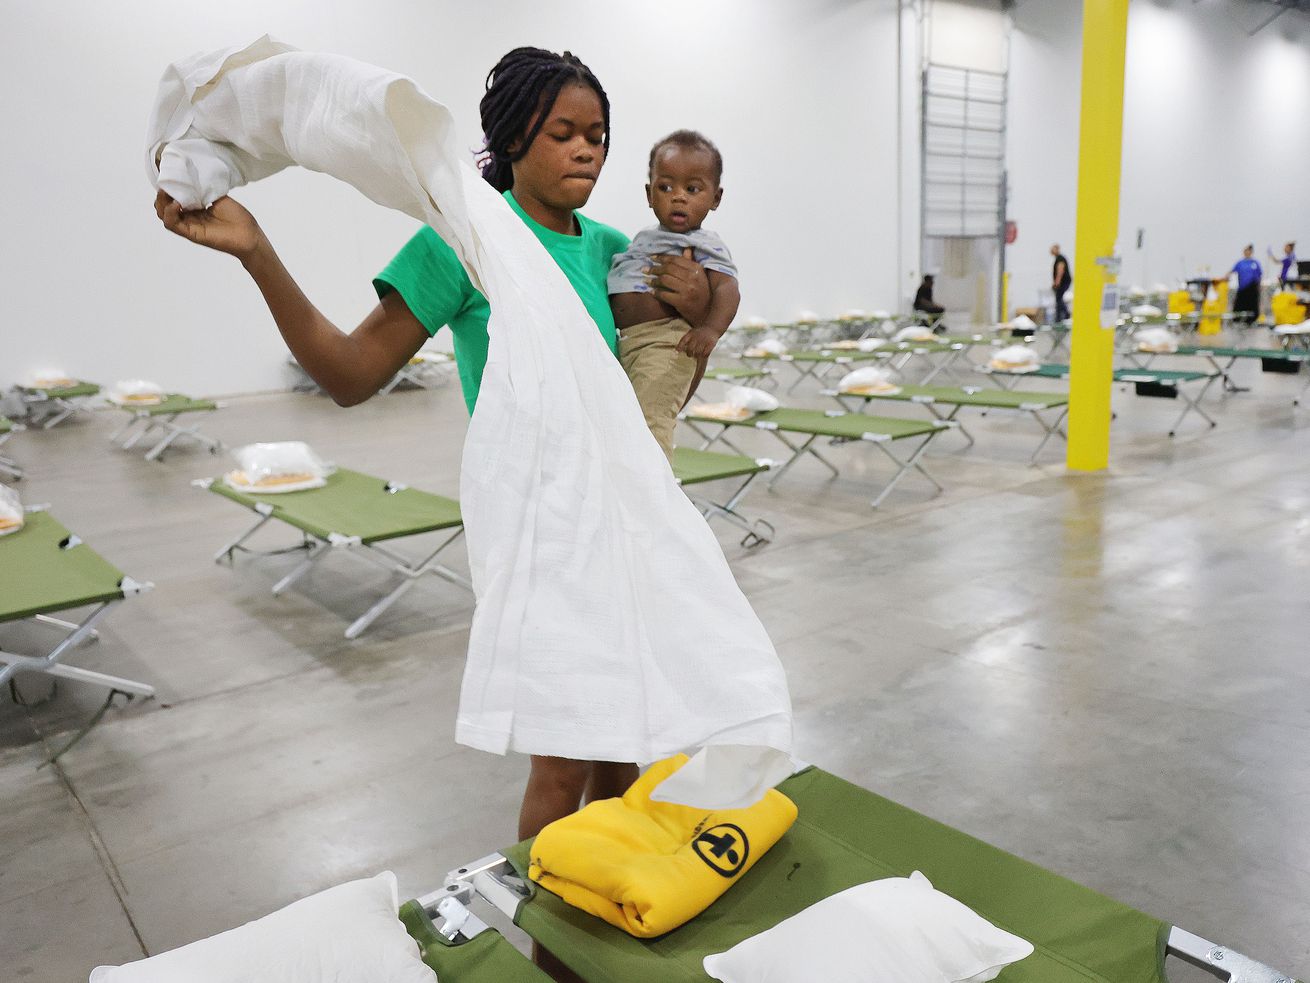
1214	307
1287	309
1180	302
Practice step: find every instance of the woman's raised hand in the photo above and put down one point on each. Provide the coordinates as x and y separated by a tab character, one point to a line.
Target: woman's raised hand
224	225
681	283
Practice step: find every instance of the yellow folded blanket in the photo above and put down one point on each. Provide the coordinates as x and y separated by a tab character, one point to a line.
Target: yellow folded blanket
648	867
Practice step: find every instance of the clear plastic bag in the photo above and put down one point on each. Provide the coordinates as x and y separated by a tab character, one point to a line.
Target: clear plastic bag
1146	310
750	398
139	392
870	344
1015	358
288	464
869	379
1156	341
1023	321
769	346
51	379
11	511
807	317
915	332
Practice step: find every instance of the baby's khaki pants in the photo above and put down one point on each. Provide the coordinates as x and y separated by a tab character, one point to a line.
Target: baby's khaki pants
660	374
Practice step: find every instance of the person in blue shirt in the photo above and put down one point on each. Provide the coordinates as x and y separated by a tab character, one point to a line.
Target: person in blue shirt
1289	267
1246	302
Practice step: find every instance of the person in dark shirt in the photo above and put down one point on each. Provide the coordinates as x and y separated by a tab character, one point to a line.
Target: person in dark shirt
1246	302
923	302
1061	280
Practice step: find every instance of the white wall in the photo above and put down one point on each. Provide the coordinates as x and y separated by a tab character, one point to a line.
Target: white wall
1214	154
966	34
800	97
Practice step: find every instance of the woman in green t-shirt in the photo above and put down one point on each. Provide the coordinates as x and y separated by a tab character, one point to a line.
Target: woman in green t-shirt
546	121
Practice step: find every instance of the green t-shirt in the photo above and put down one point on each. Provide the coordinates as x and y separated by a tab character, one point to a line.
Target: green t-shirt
428	275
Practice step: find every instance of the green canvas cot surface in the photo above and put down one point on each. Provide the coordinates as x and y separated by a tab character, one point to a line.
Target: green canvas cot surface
989	398
734	372
64	392
1281	354
489	958
843	426
846	836
692	466
37	577
354	505
170	404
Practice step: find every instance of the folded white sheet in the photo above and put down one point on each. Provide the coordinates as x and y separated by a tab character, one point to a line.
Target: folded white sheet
608	625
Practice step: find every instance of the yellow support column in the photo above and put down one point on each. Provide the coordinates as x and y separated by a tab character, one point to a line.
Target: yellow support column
1100	153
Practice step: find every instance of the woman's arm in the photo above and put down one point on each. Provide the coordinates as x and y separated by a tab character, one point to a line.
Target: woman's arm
350	367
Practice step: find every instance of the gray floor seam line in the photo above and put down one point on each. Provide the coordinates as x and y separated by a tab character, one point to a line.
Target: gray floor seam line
102	853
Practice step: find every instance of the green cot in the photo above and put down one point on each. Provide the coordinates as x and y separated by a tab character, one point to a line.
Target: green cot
843	836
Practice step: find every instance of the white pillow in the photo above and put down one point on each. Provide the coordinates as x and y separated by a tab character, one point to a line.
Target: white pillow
349	932
897	930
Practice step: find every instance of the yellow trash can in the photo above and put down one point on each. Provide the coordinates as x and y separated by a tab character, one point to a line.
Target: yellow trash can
1180	302
1214	307
1287	309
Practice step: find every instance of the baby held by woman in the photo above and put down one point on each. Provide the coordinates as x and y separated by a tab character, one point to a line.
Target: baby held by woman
662	354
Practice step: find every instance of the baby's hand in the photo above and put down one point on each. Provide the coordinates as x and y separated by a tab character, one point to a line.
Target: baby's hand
698	342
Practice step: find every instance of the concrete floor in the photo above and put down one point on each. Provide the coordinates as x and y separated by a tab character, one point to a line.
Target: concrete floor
1106	674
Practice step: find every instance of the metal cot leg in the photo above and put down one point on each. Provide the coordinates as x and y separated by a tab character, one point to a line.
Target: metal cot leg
316	553
410	572
757	532
50	666
799	451
1051	430
903	466
1193	404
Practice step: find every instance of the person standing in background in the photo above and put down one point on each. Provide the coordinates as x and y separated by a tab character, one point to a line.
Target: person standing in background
1061	280
1288	269
1246	302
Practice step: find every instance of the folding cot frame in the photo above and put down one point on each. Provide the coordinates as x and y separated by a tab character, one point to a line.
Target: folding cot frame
694	467
1213	354
1059	335
1034	404
45	569
7	464
952	348
55	404
738	374
1168	378
843	836
419	371
161	418
838	427
817	364
365	525
821	363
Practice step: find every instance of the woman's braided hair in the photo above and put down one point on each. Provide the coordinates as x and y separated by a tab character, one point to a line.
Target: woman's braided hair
524	81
